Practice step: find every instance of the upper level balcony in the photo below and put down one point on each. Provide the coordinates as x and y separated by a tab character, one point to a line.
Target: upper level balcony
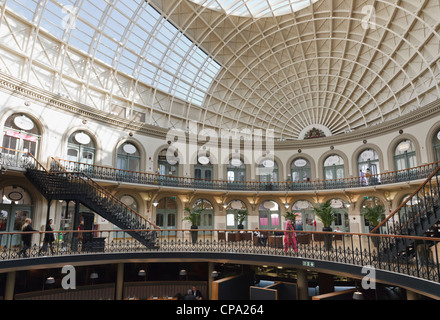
155	180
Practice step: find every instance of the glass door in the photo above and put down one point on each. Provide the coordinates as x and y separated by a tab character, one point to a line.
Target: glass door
166	215
12	218
203	175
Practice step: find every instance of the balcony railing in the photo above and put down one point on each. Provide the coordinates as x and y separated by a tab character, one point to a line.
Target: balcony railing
15	159
113	174
420	259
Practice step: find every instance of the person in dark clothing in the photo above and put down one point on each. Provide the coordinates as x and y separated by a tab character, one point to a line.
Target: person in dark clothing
197	293
26	238
190	295
49	238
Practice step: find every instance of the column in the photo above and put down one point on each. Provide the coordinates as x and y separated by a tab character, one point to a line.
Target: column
210	279
303	284
119	282
10	285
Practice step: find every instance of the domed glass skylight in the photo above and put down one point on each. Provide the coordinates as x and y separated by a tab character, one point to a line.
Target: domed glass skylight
256	8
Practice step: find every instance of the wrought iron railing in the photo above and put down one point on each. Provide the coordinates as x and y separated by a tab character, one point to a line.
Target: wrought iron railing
15	159
417	210
421	259
114	174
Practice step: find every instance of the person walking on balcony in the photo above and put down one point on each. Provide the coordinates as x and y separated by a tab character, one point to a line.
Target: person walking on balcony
26	237
49	238
289	237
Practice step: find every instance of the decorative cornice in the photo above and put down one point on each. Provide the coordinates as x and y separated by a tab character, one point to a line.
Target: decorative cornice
16	87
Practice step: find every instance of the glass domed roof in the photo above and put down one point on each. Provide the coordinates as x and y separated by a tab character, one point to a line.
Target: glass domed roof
287	66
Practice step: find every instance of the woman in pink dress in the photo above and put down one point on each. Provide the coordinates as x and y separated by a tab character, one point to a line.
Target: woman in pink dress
289	237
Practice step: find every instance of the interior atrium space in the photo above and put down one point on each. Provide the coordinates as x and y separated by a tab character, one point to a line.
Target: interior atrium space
219	150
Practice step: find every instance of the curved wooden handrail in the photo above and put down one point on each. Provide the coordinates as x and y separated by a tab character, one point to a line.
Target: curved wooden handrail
368	235
340	180
404	202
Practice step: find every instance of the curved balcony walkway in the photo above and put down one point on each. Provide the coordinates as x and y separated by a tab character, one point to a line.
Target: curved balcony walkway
113	174
354	255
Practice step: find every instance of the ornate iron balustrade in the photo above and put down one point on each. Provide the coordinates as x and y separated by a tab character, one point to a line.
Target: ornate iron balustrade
420	259
417	213
113	174
14	159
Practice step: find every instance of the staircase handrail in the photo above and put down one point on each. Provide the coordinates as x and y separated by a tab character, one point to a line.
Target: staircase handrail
406	201
95	185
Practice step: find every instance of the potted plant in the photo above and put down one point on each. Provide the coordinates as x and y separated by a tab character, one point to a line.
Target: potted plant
290	216
241	216
193	217
325	213
374	215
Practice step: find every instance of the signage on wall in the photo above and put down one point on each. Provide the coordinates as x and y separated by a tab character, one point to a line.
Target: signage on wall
19	135
82	138
15	196
129	148
308	264
24	123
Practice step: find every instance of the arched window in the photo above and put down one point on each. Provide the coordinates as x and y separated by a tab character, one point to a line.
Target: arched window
128	157
405	155
305	215
166	213
268	171
232	212
436	146
236	170
334	167
301	170
341	214
21	133
167	167
369	202
207	215
368	159
269	215
81	148
15	207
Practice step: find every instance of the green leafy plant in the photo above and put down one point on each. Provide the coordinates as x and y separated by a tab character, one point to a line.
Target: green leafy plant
374	214
241	216
193	215
290	216
325	213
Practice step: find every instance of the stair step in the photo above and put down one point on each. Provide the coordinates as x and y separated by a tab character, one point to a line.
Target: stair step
58	186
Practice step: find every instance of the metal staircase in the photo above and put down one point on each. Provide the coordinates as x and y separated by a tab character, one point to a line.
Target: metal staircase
415	217
77	186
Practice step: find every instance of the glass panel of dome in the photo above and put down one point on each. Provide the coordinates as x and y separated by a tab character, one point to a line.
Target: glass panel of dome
81	35
26	10
106	51
53	19
127	62
91	12
116	25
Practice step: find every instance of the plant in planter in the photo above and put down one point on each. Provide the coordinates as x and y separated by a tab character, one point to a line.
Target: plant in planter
290	216
193	217
374	215
241	216
326	214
